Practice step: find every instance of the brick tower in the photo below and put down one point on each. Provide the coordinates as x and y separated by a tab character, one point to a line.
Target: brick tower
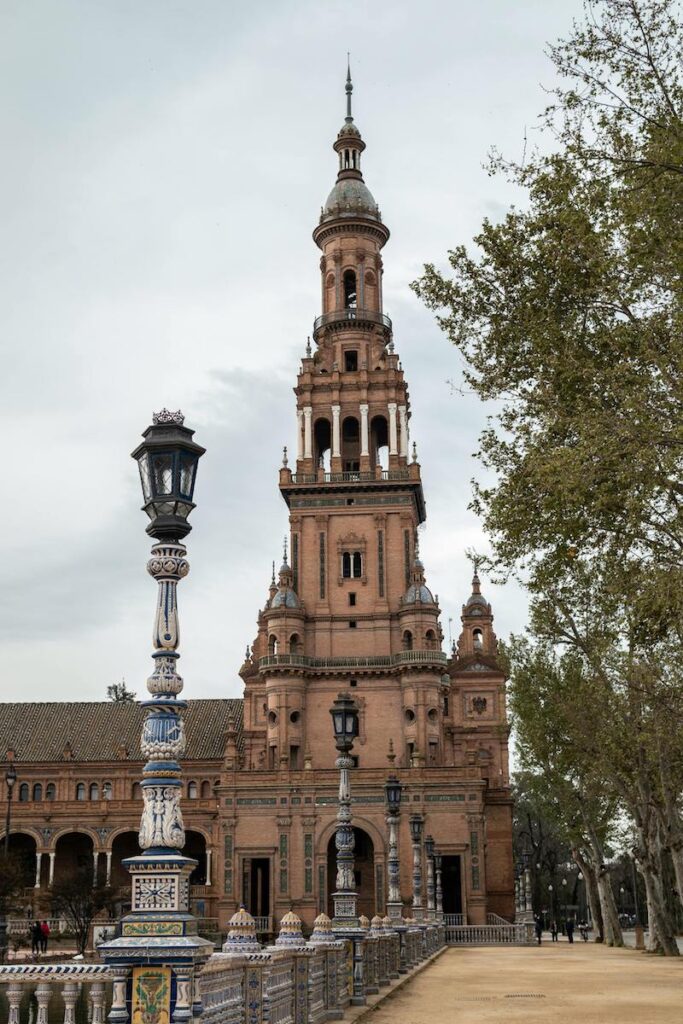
351	610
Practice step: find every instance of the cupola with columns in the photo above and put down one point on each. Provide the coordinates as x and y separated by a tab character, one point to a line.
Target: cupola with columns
477	639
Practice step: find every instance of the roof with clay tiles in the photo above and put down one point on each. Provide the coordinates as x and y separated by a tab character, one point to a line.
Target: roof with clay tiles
107	730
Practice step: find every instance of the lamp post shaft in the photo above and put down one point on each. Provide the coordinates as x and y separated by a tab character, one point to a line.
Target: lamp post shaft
417	880
439	892
394	903
8	819
345	897
431	890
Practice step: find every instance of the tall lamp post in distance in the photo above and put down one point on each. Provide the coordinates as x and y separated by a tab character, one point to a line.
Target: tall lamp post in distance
344	714
438	862
416	823
10	779
392	792
431	891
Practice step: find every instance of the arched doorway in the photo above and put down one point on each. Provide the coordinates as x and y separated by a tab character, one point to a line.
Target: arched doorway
195	847
22	850
364	869
125	845
73	856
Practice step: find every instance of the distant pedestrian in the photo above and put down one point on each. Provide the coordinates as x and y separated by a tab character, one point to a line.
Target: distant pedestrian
45	935
538	928
553	930
570	930
36	938
583	928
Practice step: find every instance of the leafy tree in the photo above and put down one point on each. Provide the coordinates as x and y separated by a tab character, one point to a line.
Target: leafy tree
12	880
120	694
569	314
75	898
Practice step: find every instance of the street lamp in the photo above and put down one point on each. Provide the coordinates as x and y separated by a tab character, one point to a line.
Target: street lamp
345	724
344	714
431	894
392	793
10	779
167	461
438	861
416	823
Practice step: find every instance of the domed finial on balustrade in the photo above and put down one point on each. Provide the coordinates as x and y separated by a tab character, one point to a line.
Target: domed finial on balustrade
322	930
376	927
241	934
290	933
363	922
388	924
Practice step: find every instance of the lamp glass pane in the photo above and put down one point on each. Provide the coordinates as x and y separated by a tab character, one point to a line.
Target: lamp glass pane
162	473
143	466
338	722
183	509
188	466
350	724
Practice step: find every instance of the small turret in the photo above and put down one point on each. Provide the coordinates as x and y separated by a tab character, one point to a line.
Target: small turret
477	638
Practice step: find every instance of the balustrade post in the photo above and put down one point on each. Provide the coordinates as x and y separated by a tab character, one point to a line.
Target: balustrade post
97	996
70	997
119	1010
183	1004
43	994
15	991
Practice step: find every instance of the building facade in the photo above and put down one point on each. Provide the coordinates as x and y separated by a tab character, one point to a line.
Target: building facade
350	609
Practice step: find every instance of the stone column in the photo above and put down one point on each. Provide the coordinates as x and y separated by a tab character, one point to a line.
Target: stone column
393	436
364	431
95	862
439	892
70	996
39	861
51	877
431	891
107	854
308	416
299	434
403	423
208	867
97	1002
15	990
336	433
183	1005
118	1013
43	993
394	904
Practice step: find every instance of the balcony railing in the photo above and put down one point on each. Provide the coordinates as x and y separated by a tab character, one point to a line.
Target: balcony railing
353	662
384	475
343	316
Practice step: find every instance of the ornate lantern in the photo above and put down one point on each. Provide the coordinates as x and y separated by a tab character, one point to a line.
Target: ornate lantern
416	823
392	792
345	722
167	460
429	845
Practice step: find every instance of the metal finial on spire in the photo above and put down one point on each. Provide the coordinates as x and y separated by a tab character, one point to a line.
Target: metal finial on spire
284	550
308	348
272	578
285	462
349	89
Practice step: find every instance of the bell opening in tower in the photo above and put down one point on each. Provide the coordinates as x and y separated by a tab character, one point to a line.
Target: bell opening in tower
349	289
351	445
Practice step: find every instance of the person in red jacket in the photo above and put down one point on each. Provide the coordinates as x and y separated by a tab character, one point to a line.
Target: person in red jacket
45	932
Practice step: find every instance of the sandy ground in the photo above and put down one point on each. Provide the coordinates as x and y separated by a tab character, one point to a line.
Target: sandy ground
561	983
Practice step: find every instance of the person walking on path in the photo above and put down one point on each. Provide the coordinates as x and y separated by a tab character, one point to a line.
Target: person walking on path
36	938
44	936
538	928
553	930
570	930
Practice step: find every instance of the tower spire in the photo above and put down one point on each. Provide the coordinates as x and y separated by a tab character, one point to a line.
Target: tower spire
349	89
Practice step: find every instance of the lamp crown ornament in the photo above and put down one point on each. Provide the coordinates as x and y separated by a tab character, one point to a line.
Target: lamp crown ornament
166	416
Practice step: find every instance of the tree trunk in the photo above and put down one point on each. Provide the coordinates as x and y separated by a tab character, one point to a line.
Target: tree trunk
592	897
610	917
662	935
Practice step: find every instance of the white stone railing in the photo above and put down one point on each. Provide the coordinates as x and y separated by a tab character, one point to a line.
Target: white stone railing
56	986
23	925
453	920
488	935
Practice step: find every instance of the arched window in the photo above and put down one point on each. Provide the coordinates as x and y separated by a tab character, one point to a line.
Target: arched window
80	791
357	565
350	445
478	639
23	793
407	640
37	792
295	643
379	441
136	792
322	437
349	289
206	790
346	565
94	791
51	791
106	790
352	565
272	644
430	639
192	790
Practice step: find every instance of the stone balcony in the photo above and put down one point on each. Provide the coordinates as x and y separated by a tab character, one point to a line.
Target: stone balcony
363	319
381	663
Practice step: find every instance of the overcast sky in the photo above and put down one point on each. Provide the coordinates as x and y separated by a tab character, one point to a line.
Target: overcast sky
164	163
